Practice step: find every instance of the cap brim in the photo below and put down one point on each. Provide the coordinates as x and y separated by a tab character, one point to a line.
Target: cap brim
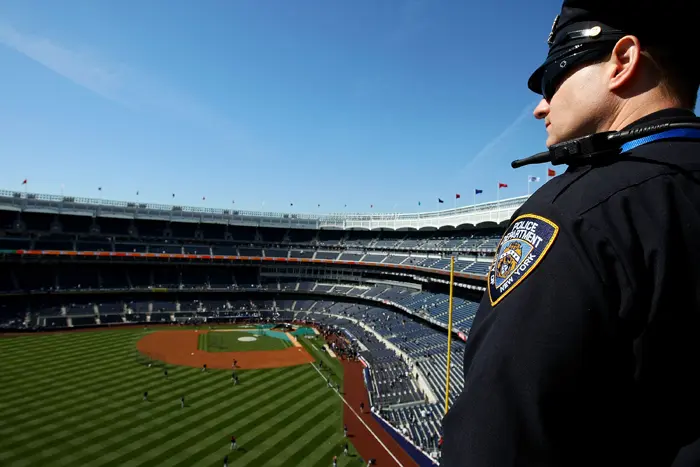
534	84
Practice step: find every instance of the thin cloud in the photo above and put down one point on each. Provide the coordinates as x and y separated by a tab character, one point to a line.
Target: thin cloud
114	81
98	78
488	149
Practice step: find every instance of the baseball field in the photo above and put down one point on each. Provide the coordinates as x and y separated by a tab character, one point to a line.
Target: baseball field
74	399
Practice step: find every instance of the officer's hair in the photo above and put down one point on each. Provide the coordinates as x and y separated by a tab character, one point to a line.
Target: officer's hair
678	75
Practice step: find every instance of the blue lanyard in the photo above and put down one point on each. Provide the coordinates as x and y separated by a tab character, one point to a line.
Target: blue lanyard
686	133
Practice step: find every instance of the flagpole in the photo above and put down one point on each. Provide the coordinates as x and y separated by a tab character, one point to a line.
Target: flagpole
474	195
528	184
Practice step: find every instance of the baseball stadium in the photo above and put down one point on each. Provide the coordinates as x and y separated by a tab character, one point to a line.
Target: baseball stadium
146	334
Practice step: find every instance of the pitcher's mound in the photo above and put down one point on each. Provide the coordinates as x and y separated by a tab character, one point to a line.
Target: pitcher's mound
247	339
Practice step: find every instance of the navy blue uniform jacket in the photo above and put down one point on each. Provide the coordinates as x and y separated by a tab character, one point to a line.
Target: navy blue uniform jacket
586	347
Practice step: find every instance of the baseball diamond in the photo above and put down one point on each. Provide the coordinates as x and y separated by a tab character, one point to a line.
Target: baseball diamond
76	399
183	348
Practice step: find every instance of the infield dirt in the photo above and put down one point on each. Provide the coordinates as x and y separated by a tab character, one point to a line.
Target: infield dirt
180	348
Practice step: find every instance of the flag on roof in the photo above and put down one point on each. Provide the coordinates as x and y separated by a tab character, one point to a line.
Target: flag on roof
457	196
533	179
24	182
478	192
502	185
440	201
551	173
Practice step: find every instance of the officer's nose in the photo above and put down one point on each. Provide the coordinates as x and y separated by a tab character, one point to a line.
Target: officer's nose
542	110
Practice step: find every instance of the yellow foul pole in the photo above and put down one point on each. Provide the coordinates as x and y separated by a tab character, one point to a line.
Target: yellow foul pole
449	335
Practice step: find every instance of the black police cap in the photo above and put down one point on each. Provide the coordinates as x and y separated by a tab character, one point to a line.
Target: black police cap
590	28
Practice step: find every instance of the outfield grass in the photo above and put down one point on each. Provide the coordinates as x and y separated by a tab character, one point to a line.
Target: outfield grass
332	368
75	399
214	341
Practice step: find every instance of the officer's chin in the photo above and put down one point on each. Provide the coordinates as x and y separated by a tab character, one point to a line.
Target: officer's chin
552	139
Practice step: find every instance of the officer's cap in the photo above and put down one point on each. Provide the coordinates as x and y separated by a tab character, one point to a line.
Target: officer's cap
594	26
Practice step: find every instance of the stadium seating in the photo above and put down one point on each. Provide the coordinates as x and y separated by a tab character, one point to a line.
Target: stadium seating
393	389
473	249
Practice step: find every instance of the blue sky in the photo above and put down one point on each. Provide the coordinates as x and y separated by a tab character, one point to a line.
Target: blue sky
337	102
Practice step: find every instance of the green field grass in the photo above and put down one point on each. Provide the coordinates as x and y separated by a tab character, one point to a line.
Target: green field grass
214	341
75	399
332	368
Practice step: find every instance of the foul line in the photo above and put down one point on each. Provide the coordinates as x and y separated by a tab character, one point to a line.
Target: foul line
359	418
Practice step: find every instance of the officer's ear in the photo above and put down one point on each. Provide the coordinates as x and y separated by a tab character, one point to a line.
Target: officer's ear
624	65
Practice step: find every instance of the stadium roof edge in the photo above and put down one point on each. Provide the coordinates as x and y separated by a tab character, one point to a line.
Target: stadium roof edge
492	214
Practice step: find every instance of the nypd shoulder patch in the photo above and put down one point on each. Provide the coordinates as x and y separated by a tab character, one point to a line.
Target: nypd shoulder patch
522	247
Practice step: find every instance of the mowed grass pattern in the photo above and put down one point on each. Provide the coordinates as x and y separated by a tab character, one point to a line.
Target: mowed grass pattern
75	399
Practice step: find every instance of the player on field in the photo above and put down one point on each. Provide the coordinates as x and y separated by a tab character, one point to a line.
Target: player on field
335	461
165	373
182	402
345	431
225	461
345	449
145	395
233	443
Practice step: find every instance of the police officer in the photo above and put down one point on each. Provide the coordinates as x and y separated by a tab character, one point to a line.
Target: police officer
586	347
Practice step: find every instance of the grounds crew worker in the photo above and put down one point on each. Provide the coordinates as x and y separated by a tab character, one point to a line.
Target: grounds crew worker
586	347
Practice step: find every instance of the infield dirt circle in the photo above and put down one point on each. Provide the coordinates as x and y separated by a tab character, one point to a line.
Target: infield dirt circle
180	348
